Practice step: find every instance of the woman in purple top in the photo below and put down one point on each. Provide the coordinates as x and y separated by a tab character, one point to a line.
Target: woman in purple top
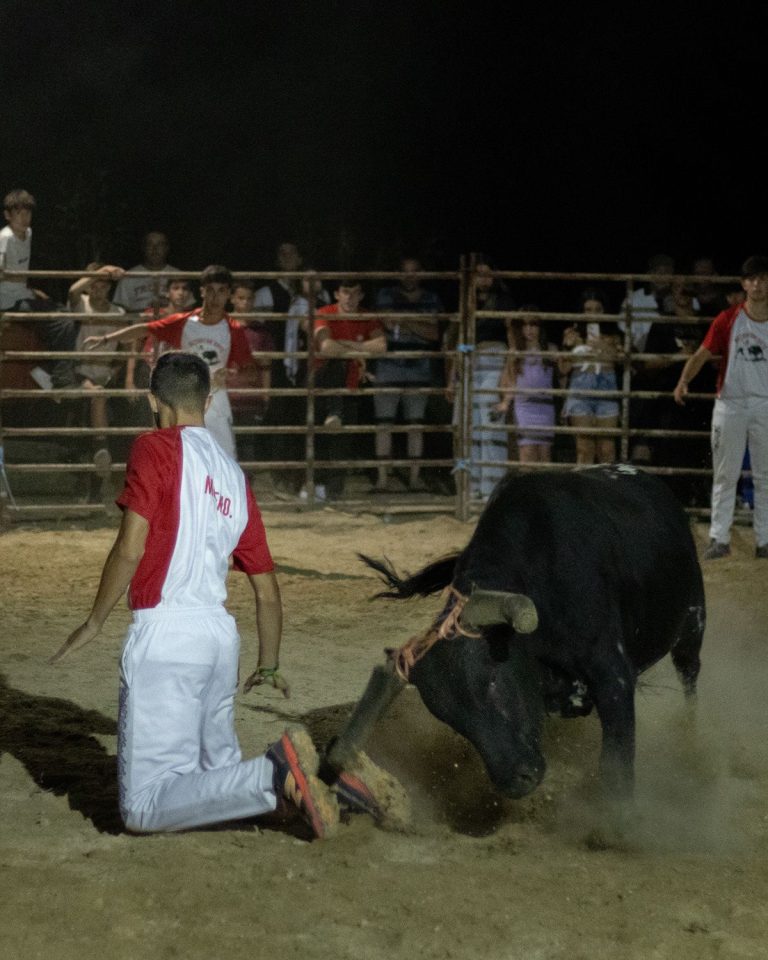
534	413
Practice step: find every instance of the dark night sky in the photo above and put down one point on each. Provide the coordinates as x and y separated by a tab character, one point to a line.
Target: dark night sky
576	139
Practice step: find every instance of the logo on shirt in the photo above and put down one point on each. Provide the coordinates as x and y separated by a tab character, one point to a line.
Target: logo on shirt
223	504
753	352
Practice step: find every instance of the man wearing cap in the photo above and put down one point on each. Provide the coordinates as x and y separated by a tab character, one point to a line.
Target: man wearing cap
739	336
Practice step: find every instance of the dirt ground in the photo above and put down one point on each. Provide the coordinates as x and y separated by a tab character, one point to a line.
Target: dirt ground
475	877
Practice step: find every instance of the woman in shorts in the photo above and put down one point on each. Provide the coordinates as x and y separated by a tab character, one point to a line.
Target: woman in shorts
594	347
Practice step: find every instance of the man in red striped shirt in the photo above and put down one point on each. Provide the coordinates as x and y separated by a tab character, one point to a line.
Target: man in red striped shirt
739	336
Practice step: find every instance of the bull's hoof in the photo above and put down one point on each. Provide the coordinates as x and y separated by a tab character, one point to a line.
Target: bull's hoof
364	787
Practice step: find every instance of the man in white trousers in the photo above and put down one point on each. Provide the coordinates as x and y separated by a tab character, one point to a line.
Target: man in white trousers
187	507
739	336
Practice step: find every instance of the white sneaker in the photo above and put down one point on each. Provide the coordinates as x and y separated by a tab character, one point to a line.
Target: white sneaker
102	460
319	492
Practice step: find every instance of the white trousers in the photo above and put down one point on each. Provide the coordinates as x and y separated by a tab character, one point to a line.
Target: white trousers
218	419
488	445
179	761
736	424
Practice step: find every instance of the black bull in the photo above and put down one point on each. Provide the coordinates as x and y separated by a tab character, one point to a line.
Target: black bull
571	586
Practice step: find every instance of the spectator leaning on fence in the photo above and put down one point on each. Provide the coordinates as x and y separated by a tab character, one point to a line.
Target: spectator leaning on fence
417	333
739	335
338	332
90	295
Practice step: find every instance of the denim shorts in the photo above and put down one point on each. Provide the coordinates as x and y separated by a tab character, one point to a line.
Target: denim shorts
591	406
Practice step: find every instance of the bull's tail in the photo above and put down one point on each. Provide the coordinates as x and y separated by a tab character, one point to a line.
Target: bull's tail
430	579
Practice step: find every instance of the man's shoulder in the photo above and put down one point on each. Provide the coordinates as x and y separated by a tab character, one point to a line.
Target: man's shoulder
173	318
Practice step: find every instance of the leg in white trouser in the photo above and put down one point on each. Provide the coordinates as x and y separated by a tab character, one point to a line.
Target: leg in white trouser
218	419
178	756
729	441
758	454
488	445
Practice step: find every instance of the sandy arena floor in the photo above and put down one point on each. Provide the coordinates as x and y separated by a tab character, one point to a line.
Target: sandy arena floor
477	877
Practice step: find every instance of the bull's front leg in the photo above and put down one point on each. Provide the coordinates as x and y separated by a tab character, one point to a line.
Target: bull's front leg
613	690
360	785
383	687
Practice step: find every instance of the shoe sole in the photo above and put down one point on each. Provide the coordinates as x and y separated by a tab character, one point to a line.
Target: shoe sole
366	788
319	808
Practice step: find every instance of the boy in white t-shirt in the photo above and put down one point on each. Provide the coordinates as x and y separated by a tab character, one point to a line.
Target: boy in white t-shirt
58	333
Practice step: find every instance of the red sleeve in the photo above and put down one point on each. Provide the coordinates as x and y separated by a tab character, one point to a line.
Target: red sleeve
152	461
251	555
239	348
718	336
169	329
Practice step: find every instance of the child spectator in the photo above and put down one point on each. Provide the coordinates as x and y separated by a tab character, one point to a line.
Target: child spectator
335	334
250	410
58	334
91	295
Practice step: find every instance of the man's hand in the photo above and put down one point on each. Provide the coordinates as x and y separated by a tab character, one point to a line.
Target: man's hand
681	392
78	638
271	676
219	378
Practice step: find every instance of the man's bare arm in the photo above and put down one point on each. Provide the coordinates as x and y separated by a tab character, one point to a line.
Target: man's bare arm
118	571
137	331
269	625
692	366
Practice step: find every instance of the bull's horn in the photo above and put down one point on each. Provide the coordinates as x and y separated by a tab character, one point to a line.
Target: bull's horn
487	607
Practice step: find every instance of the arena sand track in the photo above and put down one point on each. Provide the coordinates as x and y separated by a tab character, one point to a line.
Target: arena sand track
477	877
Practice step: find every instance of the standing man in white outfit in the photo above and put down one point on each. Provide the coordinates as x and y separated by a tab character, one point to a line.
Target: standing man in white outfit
739	336
187	507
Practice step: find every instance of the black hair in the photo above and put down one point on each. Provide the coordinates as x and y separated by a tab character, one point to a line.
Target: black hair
594	293
754	267
181	381
246	284
349	282
215	273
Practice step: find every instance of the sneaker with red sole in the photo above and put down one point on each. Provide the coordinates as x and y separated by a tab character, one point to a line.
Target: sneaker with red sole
295	779
363	787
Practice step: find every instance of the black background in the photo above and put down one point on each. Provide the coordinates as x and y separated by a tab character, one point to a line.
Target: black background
576	138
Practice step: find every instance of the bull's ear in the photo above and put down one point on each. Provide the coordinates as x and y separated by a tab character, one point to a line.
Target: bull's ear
487	607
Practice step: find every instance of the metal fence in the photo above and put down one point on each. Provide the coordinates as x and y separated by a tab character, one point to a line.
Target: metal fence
46	462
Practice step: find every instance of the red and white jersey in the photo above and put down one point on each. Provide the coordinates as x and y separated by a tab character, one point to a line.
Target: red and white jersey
222	344
742	343
200	510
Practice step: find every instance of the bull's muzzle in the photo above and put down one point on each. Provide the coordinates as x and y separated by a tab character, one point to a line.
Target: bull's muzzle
488	607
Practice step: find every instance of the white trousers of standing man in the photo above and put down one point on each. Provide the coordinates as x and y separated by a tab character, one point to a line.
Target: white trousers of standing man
218	419
737	424
178	758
